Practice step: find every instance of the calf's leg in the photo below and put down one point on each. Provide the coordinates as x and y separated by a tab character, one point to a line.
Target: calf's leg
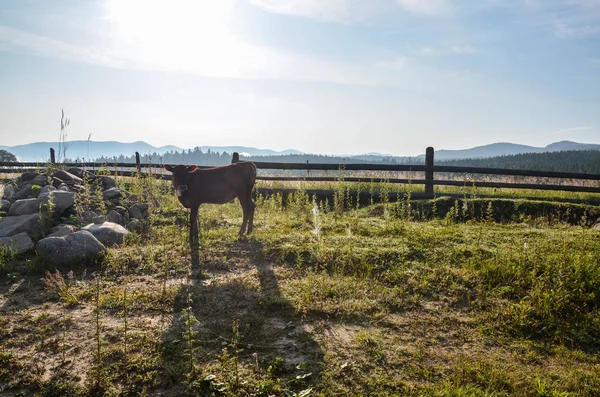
194	226
245	202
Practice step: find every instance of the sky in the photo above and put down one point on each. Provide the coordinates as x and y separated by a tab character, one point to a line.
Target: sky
319	76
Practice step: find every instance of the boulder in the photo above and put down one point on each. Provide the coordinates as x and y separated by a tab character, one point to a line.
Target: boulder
62	230
63	187
78	172
23	207
11	225
112	193
87	216
136	213
108	182
62	200
17	244
114	217
67	177
597	226
108	233
23	193
27	176
40	180
47	189
9	192
134	225
4	205
99	219
74	247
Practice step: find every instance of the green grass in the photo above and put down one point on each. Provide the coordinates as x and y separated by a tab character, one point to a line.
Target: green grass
375	301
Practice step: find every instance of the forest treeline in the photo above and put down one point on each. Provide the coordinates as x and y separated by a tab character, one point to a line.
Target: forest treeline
214	158
584	161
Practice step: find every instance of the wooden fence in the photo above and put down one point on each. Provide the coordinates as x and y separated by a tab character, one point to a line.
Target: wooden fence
567	181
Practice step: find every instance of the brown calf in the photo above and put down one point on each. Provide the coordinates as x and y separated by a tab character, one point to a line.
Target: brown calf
218	185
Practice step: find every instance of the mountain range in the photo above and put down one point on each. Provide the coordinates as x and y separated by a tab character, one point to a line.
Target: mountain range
507	149
40	151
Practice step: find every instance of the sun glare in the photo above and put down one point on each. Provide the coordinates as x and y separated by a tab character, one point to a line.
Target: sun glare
189	35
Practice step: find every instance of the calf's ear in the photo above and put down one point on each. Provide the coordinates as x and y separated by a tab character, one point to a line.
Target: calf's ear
169	167
192	168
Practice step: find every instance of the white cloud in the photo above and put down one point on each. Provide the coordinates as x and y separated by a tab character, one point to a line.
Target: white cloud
393	63
352	10
572	129
455	49
429	7
566	32
24	42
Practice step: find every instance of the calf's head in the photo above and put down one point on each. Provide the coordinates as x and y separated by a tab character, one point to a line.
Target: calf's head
181	177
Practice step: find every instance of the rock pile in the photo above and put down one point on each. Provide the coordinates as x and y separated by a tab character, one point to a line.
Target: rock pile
44	207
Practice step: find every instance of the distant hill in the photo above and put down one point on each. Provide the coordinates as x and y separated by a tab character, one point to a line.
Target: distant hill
507	149
40	151
582	161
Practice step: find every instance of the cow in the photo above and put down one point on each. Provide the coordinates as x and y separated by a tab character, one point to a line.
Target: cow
218	185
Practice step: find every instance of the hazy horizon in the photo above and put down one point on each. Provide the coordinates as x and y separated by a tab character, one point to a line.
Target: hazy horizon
339	77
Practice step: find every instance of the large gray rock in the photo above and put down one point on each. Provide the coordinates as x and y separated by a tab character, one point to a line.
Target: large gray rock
27	176
71	248
68	177
17	244
23	207
87	216
4	205
23	193
11	225
136	213
108	233
135	226
40	180
62	200
112	193
597	226
114	217
9	192
108	182
47	189
62	230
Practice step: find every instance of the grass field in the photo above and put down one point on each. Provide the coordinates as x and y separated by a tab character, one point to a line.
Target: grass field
319	300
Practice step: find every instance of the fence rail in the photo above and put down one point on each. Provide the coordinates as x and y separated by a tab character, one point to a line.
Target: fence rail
429	169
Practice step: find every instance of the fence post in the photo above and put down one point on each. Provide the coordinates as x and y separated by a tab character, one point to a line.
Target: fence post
235	158
52	158
137	162
429	172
